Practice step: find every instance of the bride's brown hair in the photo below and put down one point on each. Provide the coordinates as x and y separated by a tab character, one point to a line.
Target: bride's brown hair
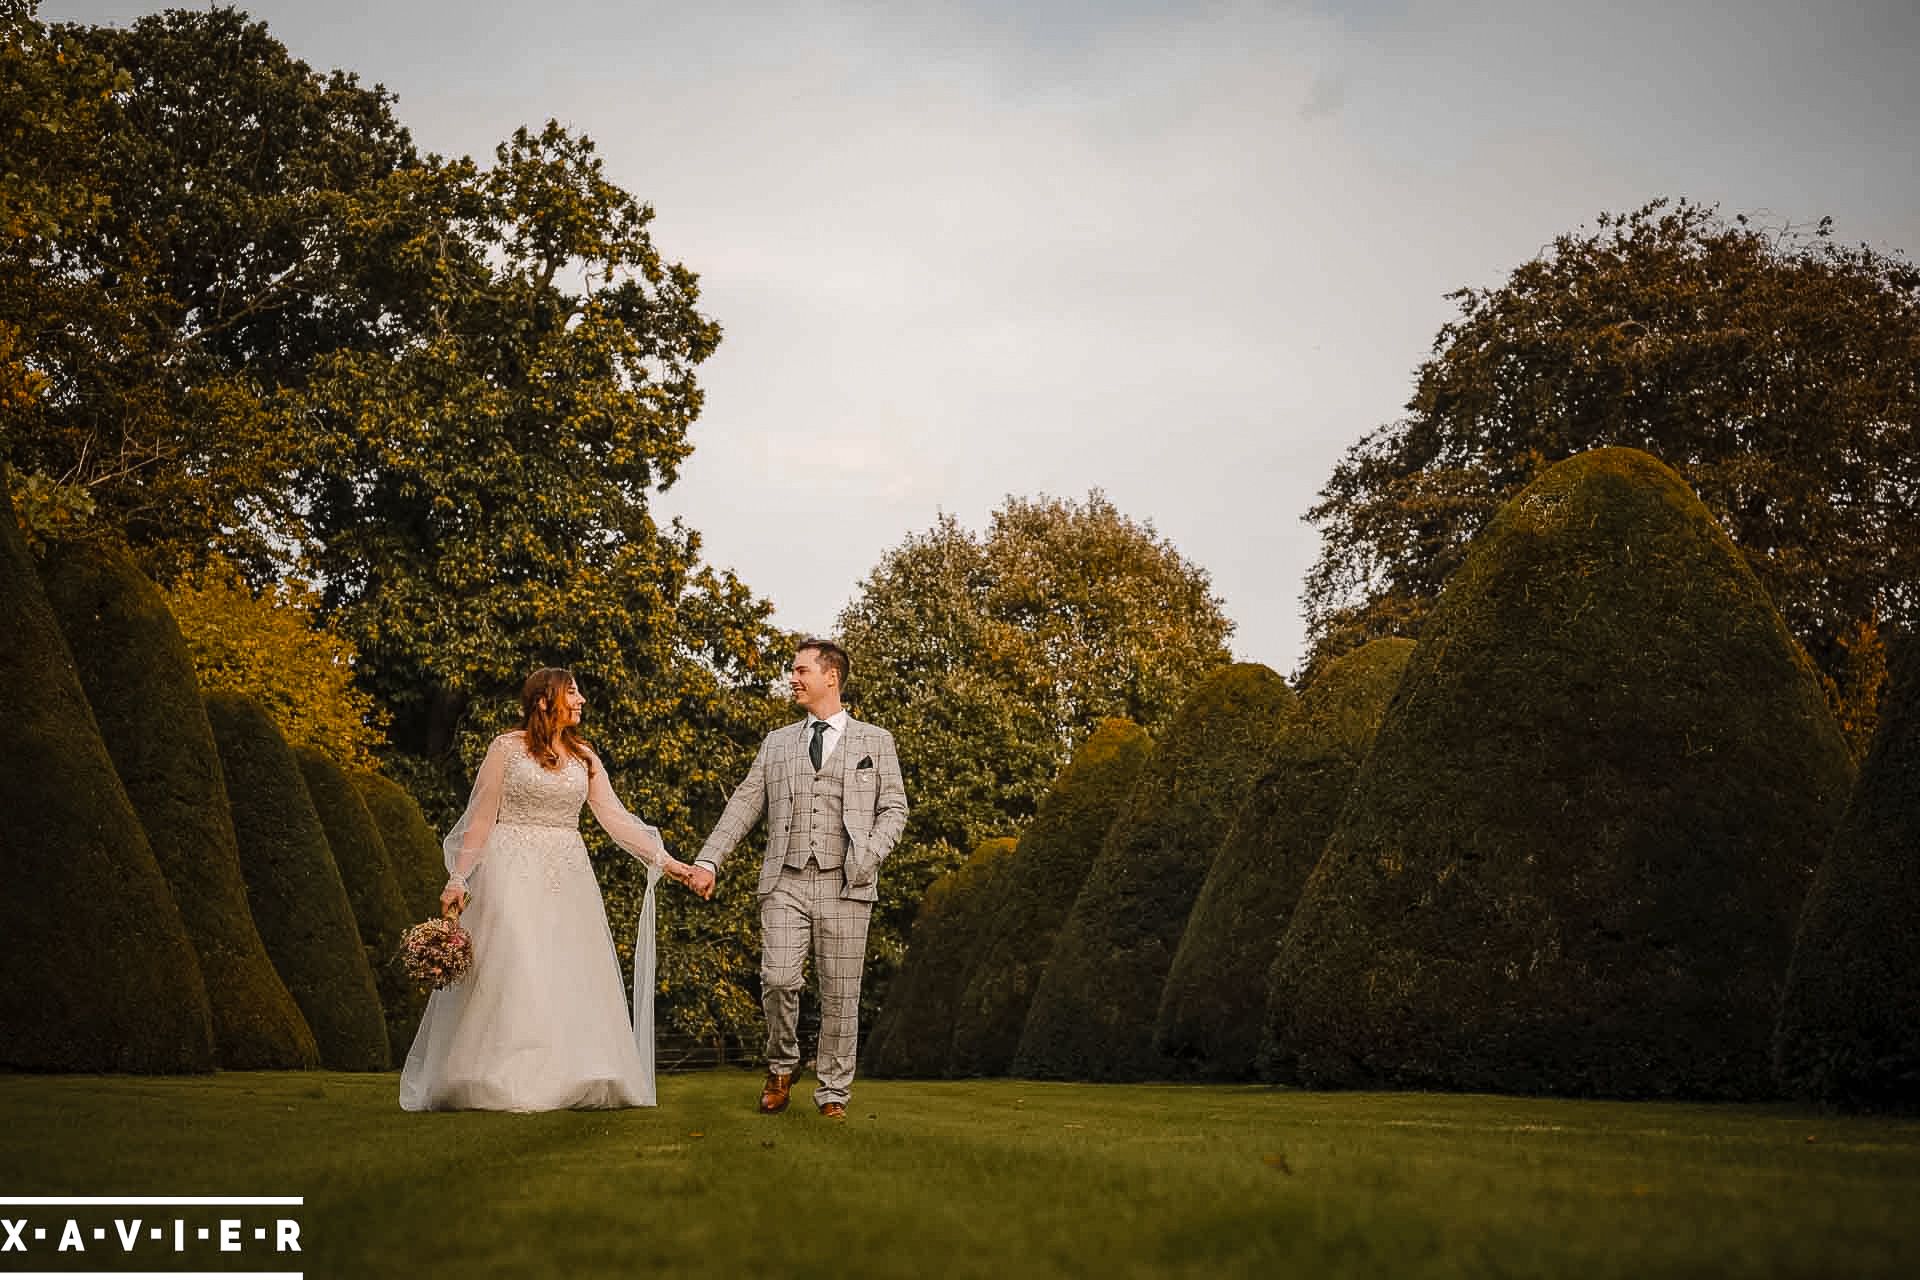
540	718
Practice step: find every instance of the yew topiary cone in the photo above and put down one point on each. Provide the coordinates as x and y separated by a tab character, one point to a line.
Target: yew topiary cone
913	1035
413	850
96	971
1093	1015
139	679
372	892
1037	891
294	888
1850	1022
1573	860
1214	1007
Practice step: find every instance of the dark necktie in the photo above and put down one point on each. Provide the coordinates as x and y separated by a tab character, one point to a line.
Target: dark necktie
814	748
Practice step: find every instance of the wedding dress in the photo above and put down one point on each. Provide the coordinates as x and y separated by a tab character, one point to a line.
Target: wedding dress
539	1022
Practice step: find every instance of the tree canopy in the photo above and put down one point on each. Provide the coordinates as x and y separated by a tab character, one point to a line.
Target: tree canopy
272	646
1774	369
246	321
993	656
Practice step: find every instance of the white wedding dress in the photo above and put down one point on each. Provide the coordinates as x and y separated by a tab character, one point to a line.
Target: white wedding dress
539	1022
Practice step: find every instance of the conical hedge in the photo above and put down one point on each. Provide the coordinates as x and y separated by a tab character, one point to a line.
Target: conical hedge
294	886
1038	890
913	1036
372	892
96	972
413	850
139	679
1573	860
1214	1007
1093	1015
1850	1022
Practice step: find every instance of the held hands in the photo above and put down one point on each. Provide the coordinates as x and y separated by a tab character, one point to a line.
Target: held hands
698	879
455	894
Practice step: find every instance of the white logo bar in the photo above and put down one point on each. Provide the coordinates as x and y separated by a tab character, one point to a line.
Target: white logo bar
168	1200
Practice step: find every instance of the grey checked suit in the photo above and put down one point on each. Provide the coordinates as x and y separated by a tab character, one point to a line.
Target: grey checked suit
817	882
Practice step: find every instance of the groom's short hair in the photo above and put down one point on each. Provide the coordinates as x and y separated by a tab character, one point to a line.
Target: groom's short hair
831	655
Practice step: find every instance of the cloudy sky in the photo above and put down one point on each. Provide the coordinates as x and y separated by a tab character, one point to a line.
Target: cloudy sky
1186	254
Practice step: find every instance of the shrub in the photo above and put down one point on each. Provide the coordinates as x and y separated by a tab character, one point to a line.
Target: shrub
1850	1022
413	850
1214	1007
273	648
294	886
1093	1014
1573	860
913	1036
1037	889
372	891
96	970
134	666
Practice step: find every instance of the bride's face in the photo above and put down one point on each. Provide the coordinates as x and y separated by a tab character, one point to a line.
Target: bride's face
571	705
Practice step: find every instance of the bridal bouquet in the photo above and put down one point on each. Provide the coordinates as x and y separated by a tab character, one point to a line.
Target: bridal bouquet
437	952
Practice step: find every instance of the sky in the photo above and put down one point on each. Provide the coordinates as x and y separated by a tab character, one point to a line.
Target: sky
1184	254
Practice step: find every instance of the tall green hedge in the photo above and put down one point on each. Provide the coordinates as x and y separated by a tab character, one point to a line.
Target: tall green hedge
294	886
139	679
96	970
913	1036
372	891
1094	1012
413	850
1214	1007
1850	1023
1037	890
1573	861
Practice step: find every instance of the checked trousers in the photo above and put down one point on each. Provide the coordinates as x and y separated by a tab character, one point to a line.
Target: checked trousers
806	912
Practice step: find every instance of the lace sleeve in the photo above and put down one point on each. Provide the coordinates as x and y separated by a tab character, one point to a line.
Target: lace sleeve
468	839
631	834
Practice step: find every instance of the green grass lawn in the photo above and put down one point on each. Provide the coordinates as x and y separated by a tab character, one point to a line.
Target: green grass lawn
994	1179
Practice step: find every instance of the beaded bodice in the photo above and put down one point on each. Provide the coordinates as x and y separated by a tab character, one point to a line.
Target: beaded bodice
534	796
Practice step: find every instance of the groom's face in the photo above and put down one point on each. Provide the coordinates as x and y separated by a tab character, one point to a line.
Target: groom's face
810	679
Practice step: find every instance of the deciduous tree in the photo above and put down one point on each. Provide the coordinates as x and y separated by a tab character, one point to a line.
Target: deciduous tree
1773	368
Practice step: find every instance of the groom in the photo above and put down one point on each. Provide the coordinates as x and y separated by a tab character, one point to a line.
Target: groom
831	792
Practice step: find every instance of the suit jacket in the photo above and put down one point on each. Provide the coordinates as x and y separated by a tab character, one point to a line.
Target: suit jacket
875	805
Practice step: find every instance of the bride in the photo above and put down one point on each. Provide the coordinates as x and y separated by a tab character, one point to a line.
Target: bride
540	1020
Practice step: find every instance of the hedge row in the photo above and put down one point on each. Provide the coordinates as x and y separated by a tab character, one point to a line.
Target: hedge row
139	681
1038	889
1214	1004
96	970
1094	1012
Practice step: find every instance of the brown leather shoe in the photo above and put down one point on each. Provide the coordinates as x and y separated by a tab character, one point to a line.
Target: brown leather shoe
834	1110
773	1094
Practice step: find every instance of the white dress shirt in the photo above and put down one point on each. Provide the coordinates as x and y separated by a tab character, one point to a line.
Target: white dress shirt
836	725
